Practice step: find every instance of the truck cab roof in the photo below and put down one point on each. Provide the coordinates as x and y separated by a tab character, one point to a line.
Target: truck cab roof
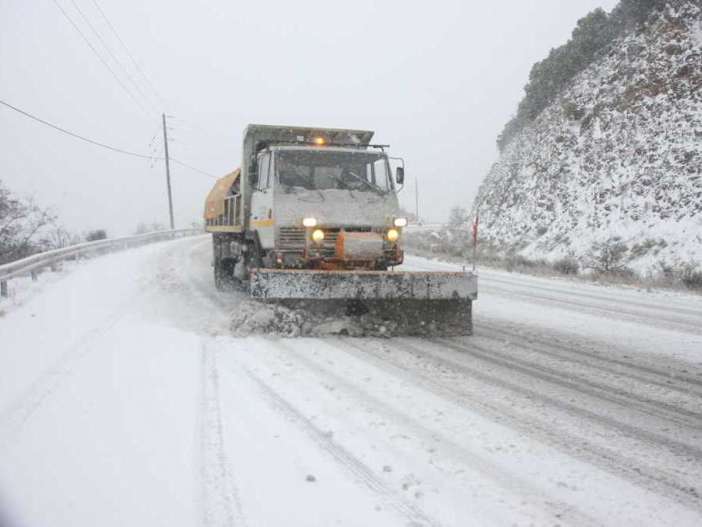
336	149
306	134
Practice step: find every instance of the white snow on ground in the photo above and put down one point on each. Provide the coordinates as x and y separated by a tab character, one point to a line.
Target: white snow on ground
125	400
22	288
657	322
697	33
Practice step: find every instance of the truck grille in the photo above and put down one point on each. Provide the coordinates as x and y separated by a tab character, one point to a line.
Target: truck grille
330	236
329	245
293	238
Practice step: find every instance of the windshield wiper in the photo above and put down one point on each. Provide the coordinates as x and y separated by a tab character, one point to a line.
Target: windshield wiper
342	185
367	183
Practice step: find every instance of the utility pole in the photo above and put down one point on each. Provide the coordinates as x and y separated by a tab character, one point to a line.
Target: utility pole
416	199
168	172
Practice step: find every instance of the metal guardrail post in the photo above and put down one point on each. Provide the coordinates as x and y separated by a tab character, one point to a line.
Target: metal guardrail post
3	288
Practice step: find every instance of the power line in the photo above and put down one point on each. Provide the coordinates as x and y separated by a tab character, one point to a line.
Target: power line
178	162
77	136
126	49
97	143
112	55
104	62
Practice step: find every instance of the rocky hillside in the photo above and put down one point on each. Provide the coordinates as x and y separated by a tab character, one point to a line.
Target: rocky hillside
615	159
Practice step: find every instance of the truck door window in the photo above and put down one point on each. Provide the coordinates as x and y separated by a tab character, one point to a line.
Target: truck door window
380	174
263	169
271	171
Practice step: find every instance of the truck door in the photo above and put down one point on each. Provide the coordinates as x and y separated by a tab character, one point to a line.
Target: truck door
262	219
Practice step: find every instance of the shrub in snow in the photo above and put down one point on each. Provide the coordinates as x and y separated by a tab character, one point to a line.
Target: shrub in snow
568	266
691	277
98	234
608	257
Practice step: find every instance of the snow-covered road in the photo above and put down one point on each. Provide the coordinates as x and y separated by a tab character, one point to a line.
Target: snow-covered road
125	401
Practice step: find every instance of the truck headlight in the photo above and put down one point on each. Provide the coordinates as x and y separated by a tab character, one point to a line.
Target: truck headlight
393	235
318	236
400	222
309	222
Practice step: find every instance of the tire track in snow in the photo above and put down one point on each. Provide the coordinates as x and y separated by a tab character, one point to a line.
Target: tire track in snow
220	499
580	384
619	313
507	481
576	353
575	445
592	413
362	473
627	303
17	414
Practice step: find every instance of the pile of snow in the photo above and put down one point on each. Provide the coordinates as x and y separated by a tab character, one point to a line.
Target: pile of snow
322	318
619	155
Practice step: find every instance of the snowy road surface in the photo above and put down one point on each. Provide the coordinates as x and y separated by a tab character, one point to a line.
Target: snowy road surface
124	401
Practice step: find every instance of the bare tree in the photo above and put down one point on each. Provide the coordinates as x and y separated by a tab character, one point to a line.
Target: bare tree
458	218
58	237
21	224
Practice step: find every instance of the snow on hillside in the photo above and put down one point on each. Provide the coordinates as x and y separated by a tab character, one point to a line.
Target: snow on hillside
619	156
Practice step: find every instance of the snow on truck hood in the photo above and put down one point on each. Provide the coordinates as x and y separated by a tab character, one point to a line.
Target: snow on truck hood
335	206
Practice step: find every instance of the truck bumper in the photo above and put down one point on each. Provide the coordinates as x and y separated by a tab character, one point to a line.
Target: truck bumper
280	284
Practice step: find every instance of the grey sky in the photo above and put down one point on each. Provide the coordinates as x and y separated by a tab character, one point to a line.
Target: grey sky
437	80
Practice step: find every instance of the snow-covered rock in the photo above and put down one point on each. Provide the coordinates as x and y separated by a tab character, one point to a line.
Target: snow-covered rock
619	155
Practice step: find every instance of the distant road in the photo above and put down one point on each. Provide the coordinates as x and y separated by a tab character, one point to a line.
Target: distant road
125	401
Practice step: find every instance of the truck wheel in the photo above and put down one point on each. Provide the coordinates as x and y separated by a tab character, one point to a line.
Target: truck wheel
224	274
219	282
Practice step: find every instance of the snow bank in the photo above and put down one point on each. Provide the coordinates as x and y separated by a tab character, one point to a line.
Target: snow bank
322	318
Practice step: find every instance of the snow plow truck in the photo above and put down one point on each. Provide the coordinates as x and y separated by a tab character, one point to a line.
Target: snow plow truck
313	215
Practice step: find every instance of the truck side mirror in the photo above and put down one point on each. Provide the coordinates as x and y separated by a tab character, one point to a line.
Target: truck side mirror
400	175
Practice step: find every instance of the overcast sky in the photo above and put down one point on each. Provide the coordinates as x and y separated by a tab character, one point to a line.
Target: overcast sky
436	80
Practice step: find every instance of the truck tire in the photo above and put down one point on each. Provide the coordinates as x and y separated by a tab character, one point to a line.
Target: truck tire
224	274
219	283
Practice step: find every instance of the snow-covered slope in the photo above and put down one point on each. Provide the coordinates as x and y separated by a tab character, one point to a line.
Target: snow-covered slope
618	155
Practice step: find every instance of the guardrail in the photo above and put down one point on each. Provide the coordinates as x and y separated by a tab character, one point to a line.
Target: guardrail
32	264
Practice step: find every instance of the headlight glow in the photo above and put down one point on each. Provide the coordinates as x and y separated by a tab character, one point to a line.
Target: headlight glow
309	222
400	222
393	235
318	236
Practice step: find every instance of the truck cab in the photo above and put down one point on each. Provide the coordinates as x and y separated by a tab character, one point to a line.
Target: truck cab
322	206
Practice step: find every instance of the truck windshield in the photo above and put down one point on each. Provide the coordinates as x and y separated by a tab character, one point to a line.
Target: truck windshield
323	170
